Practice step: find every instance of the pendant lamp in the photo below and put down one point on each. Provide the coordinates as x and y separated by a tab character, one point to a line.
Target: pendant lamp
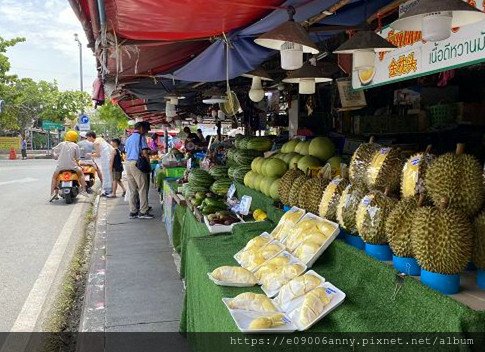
308	76
436	18
364	45
291	39
256	93
214	96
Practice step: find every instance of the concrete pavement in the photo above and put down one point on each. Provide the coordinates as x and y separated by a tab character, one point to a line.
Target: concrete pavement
37	241
133	284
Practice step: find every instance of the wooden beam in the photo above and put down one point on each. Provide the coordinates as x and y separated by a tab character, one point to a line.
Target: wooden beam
317	18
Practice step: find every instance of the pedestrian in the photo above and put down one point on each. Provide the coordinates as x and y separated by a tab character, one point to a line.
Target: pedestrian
102	156
136	148
117	169
200	135
86	149
24	149
67	154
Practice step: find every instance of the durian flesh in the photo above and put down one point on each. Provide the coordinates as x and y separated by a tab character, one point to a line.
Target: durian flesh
441	239
360	161
347	207
234	274
268	322
384	171
413	174
254	302
331	197
313	305
298	287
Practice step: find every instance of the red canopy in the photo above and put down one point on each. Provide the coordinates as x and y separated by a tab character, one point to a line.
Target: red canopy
170	20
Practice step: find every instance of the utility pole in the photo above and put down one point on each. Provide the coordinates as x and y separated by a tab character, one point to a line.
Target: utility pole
76	38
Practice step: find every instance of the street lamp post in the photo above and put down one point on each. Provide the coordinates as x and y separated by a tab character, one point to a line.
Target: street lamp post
76	38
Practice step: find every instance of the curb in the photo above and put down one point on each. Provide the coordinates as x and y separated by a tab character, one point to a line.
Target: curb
93	311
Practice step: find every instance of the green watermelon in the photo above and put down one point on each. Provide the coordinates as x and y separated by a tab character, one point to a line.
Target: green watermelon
290	146
259	143
308	161
321	148
266	185
257	182
249	179
221	186
218	172
274	167
200	178
240	172
273	190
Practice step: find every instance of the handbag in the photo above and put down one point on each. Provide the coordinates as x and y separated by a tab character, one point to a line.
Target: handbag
142	163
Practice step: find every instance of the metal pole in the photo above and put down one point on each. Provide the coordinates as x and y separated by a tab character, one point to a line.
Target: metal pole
81	65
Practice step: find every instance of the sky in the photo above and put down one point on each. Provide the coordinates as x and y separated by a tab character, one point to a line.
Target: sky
49	52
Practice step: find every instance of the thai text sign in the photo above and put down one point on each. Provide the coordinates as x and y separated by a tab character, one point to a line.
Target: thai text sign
6	143
415	58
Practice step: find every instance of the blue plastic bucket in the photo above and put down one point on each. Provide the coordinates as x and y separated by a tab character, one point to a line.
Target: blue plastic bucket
405	265
379	251
481	279
471	267
444	283
341	235
286	208
354	241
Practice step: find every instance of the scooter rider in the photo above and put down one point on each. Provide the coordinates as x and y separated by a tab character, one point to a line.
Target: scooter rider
67	154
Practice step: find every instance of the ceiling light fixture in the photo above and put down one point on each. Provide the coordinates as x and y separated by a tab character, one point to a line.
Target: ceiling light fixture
308	76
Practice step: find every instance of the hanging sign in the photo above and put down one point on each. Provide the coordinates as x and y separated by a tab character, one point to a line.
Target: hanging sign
415	58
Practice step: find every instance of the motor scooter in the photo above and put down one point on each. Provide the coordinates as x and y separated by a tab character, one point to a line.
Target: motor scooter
68	184
89	172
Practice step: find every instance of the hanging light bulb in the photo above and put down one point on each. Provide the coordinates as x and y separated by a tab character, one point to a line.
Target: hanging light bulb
170	110
174	101
364	45
291	39
306	86
435	19
309	75
256	93
221	115
214	113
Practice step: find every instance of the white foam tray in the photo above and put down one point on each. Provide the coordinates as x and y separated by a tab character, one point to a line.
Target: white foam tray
294	260
229	284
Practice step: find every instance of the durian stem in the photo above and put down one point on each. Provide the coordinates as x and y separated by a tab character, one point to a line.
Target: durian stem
422	197
444	203
460	148
372	139
387	190
428	149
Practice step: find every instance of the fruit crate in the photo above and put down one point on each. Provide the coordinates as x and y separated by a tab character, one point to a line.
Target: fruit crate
442	114
174	172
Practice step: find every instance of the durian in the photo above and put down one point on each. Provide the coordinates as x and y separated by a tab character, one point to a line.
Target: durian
255	302
399	225
297	287
384	170
286	182
287	221
311	193
273	281
267	322
478	255
234	274
347	207
331	197
295	190
414	173
458	178
312	229
313	305
371	217
257	242
361	160
441	239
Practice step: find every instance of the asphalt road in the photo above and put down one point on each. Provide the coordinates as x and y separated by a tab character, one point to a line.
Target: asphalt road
37	239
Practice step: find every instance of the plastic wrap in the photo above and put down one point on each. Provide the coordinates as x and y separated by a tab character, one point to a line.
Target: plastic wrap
384	170
413	174
287	221
331	198
371	216
360	161
347	207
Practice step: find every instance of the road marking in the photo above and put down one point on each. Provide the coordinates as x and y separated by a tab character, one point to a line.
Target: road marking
20	180
30	312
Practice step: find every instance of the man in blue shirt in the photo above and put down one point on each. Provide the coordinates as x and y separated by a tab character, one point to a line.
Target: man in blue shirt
135	145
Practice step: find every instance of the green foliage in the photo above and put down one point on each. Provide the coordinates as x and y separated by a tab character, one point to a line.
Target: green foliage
109	119
28	102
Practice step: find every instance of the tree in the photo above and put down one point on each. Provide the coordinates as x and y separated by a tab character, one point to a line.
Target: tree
109	119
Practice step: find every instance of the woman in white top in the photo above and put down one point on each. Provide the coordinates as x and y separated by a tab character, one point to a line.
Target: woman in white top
102	155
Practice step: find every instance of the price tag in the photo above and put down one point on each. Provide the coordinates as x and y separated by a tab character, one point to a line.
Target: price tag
231	191
189	164
245	205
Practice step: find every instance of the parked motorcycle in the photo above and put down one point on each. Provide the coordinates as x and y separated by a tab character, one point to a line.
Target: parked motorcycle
89	172
68	184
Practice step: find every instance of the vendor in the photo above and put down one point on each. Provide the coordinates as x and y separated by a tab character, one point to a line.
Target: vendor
191	135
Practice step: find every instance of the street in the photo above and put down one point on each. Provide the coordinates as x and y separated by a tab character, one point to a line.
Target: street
37	240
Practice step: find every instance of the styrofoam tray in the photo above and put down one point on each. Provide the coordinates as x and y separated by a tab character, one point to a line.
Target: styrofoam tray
264	234
295	306
215	229
229	284
237	256
243	318
282	223
284	306
226	301
293	260
272	293
325	244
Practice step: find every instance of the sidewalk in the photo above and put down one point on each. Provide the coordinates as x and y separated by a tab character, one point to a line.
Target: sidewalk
133	285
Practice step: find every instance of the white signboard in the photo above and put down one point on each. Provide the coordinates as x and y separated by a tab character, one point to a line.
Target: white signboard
415	58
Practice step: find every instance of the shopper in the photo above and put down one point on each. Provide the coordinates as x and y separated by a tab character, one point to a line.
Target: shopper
136	147
102	156
117	169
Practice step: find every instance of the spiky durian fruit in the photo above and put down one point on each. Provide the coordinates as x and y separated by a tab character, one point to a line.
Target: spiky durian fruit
347	207
360	161
458	178
478	254
399	225
441	239
295	190
371	216
331	198
286	182
384	170
311	193
414	173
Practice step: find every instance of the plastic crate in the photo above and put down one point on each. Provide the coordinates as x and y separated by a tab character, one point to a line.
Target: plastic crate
174	172
442	114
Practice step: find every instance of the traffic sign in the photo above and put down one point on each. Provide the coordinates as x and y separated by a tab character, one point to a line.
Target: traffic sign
83	119
50	125
83	123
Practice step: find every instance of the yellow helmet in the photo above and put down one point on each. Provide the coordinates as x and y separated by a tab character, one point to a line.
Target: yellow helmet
71	136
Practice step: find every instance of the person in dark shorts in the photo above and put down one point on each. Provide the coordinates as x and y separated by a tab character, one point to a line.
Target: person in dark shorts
117	168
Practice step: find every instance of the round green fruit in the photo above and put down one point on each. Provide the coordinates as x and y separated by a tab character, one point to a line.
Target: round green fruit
321	148
273	191
249	179
308	161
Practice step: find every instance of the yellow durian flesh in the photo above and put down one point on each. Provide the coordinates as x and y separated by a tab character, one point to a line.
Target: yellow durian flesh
257	242
410	176
254	302
234	274
268	322
307	250
313	305
298	287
